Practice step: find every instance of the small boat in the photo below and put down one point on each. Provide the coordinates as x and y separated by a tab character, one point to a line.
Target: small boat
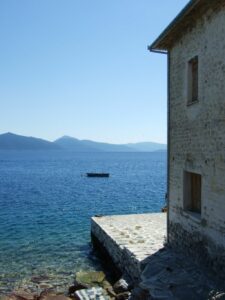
97	174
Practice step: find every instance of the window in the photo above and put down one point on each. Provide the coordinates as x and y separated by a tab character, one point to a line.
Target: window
193	80
192	192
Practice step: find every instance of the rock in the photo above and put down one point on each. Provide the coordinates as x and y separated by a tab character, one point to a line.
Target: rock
220	296
111	292
75	297
39	279
123	296
55	297
45	293
96	293
105	284
120	286
10	297
23	295
109	289
45	286
90	278
164	209
77	286
139	294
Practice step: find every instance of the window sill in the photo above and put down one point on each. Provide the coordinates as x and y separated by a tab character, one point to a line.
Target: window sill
193	216
192	103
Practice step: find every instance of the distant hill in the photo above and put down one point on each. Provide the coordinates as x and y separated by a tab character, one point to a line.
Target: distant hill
74	144
147	146
11	141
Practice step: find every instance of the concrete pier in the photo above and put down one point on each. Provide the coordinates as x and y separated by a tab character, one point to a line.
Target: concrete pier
130	239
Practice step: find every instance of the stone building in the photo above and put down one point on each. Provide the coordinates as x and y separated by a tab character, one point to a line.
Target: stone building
195	45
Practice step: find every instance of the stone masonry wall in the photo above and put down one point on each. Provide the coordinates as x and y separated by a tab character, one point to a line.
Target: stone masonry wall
197	138
125	262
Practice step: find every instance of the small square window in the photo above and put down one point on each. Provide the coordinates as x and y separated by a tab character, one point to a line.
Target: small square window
192	192
193	80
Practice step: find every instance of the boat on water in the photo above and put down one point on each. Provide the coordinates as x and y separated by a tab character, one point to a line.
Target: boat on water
97	174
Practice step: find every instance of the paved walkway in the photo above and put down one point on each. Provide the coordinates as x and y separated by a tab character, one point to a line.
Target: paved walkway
142	235
130	239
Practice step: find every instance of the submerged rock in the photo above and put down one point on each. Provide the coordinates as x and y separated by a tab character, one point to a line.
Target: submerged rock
44	294
39	278
44	285
23	295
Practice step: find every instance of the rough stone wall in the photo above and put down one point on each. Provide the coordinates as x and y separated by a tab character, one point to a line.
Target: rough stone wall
197	138
120	256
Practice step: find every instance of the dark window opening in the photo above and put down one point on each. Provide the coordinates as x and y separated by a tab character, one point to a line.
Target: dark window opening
192	192
193	80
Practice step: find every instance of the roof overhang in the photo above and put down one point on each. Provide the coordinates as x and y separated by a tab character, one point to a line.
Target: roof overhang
163	43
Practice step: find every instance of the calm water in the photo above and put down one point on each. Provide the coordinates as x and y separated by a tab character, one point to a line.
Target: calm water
46	203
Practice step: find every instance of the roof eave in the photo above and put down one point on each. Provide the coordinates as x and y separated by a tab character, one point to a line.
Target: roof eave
156	46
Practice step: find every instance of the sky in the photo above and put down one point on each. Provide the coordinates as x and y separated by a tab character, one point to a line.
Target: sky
81	68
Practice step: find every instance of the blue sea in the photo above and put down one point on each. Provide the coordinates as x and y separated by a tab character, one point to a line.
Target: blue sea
46	203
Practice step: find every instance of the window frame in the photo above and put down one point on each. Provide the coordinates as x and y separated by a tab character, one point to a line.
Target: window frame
193	81
191	203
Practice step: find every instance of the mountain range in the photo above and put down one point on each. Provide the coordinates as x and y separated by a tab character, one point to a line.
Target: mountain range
11	141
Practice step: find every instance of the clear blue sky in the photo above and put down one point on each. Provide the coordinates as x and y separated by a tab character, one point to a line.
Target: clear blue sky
81	68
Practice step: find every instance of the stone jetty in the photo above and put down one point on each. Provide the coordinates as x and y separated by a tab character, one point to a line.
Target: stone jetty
129	239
